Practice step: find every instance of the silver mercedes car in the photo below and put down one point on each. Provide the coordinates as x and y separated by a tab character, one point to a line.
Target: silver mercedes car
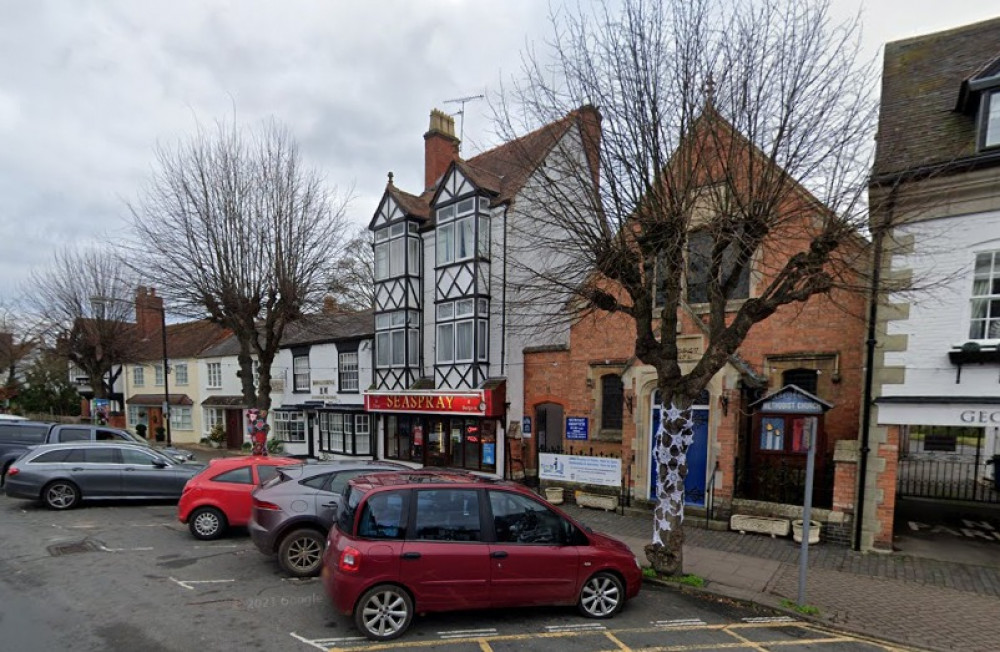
62	475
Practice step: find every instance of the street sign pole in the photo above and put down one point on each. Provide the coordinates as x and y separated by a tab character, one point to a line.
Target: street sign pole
810	434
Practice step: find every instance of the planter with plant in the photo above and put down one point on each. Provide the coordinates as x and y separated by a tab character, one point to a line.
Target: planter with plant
140	430
161	433
217	436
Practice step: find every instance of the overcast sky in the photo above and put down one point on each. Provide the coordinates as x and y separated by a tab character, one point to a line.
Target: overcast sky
88	88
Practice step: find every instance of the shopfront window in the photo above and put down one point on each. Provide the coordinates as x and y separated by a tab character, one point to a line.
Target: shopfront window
460	442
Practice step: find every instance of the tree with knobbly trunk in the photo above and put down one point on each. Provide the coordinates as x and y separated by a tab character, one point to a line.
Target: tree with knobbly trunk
234	225
728	171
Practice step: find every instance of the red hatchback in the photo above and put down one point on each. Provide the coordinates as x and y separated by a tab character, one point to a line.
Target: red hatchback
219	497
422	541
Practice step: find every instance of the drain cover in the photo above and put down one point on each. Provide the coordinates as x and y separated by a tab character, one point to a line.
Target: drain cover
72	547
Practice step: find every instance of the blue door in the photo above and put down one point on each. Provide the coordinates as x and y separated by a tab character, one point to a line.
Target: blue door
697	455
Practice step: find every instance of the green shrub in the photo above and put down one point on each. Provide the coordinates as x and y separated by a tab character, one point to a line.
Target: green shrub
217	435
687	580
246	447
806	609
140	430
275	447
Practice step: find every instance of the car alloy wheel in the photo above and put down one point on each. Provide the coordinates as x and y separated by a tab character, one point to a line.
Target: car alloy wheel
384	612
601	596
301	553
61	495
207	523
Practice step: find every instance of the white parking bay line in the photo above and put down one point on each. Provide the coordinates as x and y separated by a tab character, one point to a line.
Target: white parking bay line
770	619
107	549
468	633
680	622
187	583
575	628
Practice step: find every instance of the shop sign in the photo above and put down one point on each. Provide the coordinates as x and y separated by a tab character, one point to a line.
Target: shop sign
526	427
432	403
489	454
576	428
582	469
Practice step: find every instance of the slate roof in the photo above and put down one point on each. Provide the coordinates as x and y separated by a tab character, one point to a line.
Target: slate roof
311	329
184	340
505	169
922	80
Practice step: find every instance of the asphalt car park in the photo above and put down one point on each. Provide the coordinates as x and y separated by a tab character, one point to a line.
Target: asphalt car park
125	576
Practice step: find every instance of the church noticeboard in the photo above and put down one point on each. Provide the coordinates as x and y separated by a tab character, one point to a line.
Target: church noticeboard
790	401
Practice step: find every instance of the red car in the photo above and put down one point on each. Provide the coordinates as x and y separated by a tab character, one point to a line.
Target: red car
219	497
423	541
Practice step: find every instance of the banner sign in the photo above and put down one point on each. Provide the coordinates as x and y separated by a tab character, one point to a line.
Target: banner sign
576	427
438	403
606	471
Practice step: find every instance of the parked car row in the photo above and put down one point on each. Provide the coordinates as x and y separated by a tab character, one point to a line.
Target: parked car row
388	541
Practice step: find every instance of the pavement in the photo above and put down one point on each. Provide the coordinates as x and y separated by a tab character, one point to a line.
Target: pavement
912	601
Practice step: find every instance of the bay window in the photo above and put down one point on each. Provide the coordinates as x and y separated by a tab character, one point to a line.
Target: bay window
391	244
396	339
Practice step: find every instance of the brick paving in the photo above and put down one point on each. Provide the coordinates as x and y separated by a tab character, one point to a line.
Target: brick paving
909	600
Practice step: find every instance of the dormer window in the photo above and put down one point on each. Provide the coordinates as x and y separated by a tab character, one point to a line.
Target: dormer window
991	119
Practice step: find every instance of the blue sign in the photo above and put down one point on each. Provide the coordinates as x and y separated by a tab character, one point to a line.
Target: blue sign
489	454
526	426
576	427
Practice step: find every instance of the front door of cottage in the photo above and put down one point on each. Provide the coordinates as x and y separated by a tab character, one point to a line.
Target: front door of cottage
234	429
697	455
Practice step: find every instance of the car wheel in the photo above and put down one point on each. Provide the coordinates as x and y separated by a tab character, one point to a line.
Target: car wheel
61	494
301	553
207	523
384	612
602	596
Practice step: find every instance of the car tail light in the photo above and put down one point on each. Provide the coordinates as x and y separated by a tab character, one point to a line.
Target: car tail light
350	560
263	504
13	470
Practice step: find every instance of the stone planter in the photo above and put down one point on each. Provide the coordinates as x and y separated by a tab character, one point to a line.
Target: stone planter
599	501
743	523
554	495
814	528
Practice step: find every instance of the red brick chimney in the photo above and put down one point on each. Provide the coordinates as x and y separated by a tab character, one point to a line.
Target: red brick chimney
148	311
440	147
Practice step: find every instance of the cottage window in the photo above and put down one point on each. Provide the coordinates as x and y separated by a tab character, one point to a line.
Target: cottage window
300	373
181	373
348	371
991	119
180	418
214	375
138	376
290	426
985	323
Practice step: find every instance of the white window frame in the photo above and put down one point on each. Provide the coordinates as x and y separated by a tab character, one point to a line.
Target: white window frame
181	373
362	435
212	416
347	370
289	426
180	417
138	376
985	294
390	339
213	377
158	374
301	377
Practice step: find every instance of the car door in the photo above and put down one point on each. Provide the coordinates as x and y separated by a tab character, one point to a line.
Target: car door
445	560
532	561
99	473
146	475
232	489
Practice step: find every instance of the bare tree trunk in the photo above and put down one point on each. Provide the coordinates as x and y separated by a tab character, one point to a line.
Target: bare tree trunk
676	433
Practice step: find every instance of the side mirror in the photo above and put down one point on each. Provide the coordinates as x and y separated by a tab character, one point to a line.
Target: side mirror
160	464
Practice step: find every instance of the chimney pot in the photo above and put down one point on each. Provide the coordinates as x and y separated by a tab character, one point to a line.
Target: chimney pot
440	147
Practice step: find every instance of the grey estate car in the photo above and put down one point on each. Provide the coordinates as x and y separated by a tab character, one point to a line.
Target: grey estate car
293	511
61	475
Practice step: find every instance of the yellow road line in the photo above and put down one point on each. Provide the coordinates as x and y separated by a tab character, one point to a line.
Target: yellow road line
614	639
484	646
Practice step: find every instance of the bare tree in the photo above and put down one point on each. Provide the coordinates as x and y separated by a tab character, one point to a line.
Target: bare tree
731	153
352	282
233	224
84	304
17	342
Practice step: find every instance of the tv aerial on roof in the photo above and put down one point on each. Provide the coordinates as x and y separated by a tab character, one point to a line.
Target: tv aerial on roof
461	112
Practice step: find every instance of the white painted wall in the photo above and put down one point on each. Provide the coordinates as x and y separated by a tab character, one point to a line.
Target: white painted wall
944	254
